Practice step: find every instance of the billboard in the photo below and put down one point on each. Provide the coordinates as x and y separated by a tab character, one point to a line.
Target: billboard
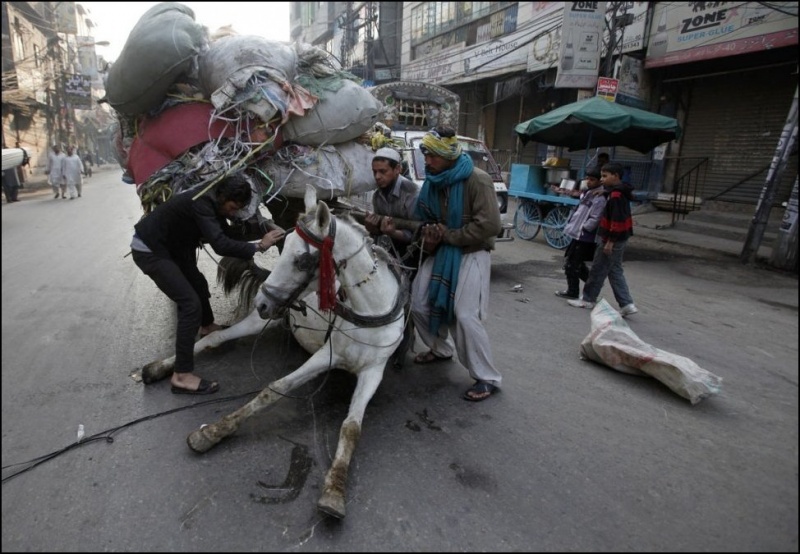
79	91
87	56
693	31
581	40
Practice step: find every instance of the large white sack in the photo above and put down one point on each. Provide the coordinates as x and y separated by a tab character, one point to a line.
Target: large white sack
340	116
248	72
612	343
160	49
334	171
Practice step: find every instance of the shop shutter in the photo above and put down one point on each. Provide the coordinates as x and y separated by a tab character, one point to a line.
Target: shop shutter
736	120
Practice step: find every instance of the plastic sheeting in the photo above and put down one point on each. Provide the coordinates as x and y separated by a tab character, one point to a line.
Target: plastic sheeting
612	343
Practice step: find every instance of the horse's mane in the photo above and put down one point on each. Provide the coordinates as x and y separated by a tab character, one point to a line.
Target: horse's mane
245	274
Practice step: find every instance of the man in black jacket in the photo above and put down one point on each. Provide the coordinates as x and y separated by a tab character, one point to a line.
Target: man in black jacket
164	247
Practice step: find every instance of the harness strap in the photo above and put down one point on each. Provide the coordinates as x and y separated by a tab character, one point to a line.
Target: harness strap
327	267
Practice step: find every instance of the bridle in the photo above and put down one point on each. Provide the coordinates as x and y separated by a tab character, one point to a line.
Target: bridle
323	262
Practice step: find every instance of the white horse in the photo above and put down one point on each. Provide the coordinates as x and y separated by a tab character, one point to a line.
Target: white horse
358	335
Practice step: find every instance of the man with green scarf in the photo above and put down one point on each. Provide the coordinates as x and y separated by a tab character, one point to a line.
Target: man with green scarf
451	290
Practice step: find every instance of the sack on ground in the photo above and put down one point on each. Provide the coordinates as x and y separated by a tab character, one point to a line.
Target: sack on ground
612	343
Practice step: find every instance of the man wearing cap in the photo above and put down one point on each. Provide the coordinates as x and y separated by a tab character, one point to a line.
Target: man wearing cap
582	229
396	197
451	291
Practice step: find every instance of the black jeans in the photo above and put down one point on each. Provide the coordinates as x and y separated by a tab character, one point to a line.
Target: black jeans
577	254
185	285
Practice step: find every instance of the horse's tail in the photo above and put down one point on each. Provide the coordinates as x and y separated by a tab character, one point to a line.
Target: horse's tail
245	274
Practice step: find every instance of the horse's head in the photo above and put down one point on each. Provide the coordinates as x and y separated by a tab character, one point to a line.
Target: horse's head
298	267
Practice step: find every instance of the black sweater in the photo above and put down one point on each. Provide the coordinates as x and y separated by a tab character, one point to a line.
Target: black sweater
176	227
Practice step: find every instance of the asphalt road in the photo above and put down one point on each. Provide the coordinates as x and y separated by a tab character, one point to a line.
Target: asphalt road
570	456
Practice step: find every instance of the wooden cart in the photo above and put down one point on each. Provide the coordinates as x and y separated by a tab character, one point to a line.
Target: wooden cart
538	207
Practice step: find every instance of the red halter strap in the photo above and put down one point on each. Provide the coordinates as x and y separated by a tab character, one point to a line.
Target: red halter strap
327	268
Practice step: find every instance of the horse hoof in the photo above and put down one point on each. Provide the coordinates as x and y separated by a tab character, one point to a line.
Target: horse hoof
155	371
332	504
199	442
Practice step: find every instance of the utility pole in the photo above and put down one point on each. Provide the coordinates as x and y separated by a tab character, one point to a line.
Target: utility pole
786	144
608	70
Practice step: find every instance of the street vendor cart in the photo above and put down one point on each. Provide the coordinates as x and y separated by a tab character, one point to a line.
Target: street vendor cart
538	205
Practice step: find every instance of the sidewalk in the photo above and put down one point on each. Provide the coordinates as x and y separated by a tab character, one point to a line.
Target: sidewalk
656	224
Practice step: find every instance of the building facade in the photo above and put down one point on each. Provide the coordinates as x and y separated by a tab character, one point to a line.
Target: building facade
51	80
727	71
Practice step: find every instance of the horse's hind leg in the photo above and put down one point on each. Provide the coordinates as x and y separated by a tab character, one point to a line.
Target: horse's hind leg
161	369
207	436
332	501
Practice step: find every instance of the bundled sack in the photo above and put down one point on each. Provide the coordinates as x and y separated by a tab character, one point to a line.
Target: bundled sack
161	48
334	171
248	73
612	343
342	115
166	137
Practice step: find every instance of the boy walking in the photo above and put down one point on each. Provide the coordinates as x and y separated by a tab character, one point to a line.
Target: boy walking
582	228
616	227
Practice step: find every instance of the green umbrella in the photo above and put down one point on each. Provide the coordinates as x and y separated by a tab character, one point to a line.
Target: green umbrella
597	122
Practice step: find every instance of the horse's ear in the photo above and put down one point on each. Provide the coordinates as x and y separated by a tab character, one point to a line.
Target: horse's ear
310	198
323	215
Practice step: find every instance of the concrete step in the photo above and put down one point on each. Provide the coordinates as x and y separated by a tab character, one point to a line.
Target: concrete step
737	232
682	237
735	219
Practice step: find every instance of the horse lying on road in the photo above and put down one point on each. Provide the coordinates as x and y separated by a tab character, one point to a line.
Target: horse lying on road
356	329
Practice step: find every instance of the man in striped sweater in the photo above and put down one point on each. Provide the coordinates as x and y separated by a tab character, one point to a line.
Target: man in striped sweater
616	227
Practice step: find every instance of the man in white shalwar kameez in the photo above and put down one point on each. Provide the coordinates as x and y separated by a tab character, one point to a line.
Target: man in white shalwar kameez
73	173
55	171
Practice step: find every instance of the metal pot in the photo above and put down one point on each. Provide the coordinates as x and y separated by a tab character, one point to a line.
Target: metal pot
556	174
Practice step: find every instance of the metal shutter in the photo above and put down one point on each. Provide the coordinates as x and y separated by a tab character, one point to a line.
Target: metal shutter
735	120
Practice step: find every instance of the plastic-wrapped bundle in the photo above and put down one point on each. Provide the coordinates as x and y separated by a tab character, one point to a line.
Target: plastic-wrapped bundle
162	48
339	170
340	116
248	73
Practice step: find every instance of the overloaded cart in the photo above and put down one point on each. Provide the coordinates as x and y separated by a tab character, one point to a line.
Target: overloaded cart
539	206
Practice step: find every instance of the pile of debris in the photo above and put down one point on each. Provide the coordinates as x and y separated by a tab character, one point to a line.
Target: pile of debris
194	107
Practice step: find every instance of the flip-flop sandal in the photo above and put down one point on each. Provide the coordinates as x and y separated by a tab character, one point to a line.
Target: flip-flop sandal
205	387
429	357
480	388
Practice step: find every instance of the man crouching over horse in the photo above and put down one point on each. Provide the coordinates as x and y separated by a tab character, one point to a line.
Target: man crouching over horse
164	246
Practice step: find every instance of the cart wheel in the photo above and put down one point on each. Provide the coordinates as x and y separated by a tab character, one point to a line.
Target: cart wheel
527	220
555	222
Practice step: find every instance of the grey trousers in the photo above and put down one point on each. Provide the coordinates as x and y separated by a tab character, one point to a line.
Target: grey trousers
466	335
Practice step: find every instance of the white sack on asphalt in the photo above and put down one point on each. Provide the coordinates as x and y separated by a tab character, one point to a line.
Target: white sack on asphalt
340	116
612	343
339	170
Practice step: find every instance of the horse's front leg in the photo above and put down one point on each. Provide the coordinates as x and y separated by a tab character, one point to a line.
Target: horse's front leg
161	369
207	436
332	501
